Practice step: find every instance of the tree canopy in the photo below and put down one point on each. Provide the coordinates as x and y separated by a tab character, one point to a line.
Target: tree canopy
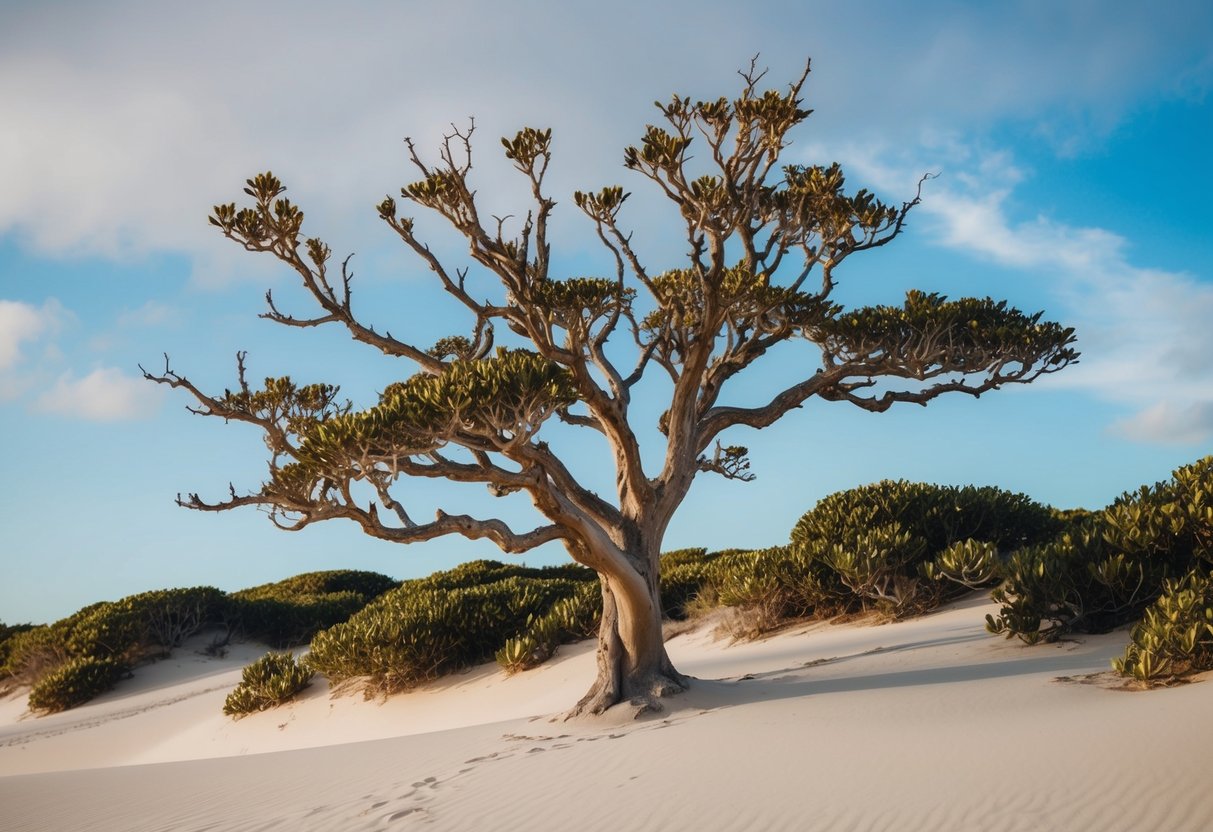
764	243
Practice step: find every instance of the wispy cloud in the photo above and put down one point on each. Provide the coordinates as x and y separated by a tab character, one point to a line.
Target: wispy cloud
23	322
150	314
1170	423
22	325
1144	332
104	395
123	123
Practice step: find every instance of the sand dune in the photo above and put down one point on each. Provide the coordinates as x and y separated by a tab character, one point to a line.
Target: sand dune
928	724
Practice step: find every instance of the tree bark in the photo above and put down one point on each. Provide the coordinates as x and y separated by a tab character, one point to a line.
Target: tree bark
633	666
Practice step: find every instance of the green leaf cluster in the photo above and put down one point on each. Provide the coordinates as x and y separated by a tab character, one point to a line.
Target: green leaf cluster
527	145
498	399
283	401
659	149
270	681
813	201
740	296
271	220
961	335
578	299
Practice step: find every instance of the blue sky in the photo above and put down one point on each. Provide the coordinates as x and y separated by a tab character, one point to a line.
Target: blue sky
1071	139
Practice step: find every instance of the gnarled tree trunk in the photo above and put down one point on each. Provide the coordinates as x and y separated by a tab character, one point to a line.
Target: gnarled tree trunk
633	666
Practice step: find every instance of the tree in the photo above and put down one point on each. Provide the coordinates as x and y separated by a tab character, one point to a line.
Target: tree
764	246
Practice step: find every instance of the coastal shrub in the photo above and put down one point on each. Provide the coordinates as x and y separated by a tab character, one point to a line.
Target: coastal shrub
273	679
417	632
481	572
170	616
31	652
683	575
289	612
139	625
681	557
771	586
116	634
901	547
286	622
367	584
7	632
37	651
75	682
1112	565
1174	637
567	620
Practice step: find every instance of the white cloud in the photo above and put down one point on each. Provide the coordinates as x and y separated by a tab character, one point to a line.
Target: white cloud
125	122
1170	423
150	314
1144	332
104	395
22	322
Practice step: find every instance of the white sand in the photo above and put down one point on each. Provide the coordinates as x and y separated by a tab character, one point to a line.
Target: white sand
929	724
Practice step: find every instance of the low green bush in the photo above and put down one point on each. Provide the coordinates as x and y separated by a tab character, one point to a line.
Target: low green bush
903	547
770	587
31	653
139	625
289	612
683	575
481	572
270	681
97	644
287	622
567	620
75	682
1174	637
1110	566
418	632
370	585
7	632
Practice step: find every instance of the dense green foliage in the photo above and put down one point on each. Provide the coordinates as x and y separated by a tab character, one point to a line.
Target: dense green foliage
973	326
1109	567
127	630
478	572
1174	637
683	576
898	547
510	393
75	655
7	632
75	682
149	623
429	627
290	612
901	546
273	679
567	620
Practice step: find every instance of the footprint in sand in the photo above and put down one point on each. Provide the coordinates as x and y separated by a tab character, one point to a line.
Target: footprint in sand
404	813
